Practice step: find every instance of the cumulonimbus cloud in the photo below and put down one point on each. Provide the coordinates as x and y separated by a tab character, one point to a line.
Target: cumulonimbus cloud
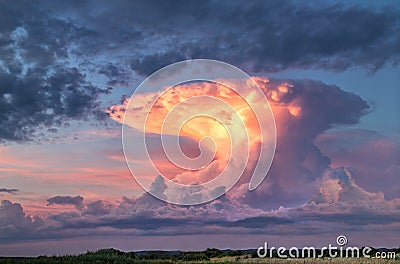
303	110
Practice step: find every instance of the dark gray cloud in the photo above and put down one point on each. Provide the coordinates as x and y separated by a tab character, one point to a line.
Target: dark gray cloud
36	101
5	190
48	49
39	88
67	200
270	36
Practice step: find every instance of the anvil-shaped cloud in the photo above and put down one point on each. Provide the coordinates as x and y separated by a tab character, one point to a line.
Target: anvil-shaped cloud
303	109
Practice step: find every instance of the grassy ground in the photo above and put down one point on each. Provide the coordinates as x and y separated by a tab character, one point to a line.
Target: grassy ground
212	261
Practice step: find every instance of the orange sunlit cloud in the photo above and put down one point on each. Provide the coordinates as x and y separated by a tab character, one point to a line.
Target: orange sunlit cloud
174	106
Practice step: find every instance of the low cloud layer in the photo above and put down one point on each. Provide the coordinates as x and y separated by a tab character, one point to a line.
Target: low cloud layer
337	200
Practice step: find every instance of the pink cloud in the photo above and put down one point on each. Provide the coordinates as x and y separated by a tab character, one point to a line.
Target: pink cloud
374	158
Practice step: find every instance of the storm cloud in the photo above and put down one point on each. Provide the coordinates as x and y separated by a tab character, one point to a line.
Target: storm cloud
303	110
39	86
287	35
49	49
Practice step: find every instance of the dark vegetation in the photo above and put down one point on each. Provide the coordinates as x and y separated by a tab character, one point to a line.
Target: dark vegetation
116	256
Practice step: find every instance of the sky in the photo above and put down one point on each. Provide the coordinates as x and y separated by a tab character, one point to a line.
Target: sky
329	70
